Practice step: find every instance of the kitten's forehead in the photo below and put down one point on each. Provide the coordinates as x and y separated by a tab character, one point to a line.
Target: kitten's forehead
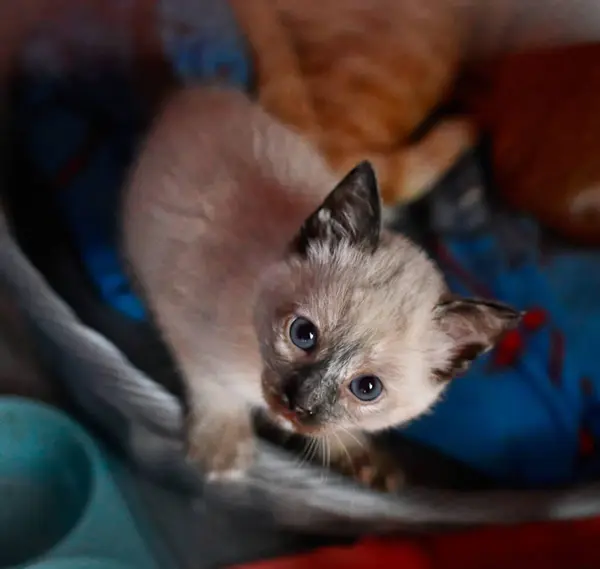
397	283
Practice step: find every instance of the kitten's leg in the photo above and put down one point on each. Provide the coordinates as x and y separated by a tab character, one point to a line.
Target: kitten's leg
220	441
356	455
413	170
410	171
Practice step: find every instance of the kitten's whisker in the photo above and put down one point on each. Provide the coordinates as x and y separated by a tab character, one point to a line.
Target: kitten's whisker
300	459
312	450
346	452
308	452
316	449
322	447
326	458
360	443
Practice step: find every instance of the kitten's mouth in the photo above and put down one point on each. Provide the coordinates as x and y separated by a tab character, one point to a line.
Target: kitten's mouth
288	419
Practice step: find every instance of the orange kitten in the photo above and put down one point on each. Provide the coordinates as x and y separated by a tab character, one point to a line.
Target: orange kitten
359	77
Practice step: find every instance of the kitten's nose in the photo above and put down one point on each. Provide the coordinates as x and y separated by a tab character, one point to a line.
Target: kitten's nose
292	399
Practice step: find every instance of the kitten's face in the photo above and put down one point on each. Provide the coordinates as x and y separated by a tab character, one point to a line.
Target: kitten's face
353	326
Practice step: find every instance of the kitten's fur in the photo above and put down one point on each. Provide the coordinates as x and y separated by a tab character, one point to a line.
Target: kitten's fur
231	230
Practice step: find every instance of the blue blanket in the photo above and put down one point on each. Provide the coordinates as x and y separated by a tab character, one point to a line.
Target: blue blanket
527	413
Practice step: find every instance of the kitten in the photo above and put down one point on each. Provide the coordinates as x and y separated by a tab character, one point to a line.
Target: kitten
277	289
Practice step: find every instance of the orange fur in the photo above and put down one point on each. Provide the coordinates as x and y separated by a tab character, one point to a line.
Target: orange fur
358	77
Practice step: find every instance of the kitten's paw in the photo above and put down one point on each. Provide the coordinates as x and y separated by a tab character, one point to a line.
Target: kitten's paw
231	475
384	477
225	460
377	470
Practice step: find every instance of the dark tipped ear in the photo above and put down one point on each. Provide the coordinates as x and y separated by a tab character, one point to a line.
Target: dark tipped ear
351	213
473	327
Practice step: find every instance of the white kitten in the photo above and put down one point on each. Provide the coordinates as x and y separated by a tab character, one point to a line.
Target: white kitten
276	288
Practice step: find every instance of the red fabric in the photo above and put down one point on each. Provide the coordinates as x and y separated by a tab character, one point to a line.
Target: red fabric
571	545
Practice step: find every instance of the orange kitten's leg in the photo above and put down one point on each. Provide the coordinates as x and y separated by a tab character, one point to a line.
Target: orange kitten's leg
281	87
413	170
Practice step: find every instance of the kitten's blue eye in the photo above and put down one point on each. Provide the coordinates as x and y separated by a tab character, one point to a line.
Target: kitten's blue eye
366	387
303	334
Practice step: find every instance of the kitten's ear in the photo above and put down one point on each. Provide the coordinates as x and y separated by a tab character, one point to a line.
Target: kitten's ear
351	213
473	327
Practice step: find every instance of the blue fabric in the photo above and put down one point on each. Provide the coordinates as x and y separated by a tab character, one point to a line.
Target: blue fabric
531	421
195	58
205	42
575	278
80	137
